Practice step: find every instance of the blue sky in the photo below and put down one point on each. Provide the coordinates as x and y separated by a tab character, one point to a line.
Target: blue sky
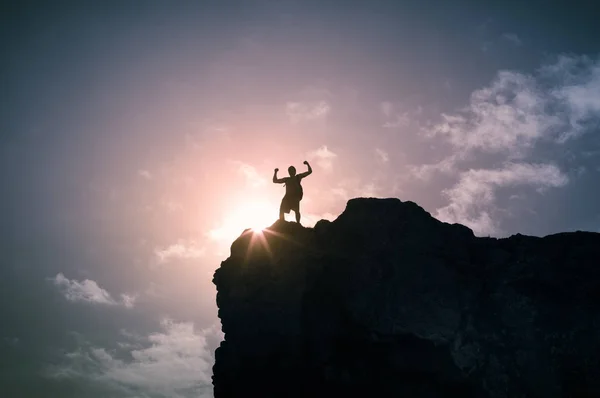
138	139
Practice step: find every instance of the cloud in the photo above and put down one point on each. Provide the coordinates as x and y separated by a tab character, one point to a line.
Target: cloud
513	38
181	250
518	110
172	205
472	198
382	155
386	108
341	193
310	219
369	190
324	157
507	116
173	363
89	291
394	118
305	111
354	187
253	177
128	300
426	171
579	94
145	174
510	119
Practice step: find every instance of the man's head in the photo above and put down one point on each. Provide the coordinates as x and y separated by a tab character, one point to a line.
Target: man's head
292	171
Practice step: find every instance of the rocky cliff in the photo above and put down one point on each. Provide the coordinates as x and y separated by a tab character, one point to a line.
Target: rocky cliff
387	301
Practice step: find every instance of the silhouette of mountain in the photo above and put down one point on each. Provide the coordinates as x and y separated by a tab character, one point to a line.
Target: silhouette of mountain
387	301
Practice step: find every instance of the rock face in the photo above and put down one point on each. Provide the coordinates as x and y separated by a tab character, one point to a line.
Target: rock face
387	301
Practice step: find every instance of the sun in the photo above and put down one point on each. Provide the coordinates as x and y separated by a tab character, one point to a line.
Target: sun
256	215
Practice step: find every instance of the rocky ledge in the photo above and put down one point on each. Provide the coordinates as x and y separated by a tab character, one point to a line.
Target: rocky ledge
387	301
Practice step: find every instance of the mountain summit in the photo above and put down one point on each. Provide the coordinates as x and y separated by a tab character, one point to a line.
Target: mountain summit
387	301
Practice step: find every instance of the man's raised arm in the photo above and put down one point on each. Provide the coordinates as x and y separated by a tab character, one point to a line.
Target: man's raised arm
306	173
277	180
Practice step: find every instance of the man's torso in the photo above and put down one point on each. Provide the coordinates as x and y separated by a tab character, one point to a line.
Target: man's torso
293	187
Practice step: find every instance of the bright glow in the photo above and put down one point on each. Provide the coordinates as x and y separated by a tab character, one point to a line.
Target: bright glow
254	215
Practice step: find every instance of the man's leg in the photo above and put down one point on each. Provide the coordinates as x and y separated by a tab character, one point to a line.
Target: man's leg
281	210
297	212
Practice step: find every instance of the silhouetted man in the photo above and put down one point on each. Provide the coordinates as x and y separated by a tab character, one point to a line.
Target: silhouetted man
293	191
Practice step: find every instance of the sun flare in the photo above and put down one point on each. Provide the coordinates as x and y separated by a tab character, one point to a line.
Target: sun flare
257	216
254	215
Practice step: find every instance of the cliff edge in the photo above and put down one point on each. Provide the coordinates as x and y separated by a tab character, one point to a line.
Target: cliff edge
387	301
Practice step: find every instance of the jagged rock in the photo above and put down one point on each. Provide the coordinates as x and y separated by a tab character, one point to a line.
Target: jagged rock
387	301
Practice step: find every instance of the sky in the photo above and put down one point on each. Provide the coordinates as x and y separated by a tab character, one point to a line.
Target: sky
138	140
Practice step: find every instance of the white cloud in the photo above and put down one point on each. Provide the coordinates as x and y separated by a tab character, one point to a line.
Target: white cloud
341	193
382	155
304	111
370	190
394	117
145	174
324	157
426	171
356	187
472	198
174	363
181	250
508	116
310	219
88	291
518	110
253	177
128	300
580	94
